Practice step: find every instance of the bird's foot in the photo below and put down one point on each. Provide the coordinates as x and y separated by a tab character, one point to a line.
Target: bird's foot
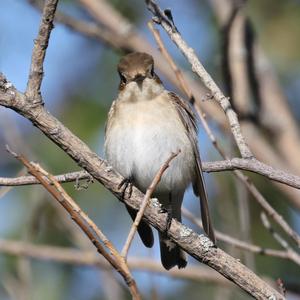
169	218
125	184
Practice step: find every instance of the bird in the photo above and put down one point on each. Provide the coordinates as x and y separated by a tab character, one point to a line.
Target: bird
145	125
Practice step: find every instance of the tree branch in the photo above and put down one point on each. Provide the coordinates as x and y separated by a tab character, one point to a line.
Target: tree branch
33	91
145	202
133	41
198	68
289	254
252	165
199	246
84	222
90	258
243	178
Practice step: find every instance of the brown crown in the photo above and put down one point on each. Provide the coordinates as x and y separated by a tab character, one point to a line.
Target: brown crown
135	63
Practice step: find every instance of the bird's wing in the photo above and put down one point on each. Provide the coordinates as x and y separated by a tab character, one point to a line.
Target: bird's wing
111	112
189	121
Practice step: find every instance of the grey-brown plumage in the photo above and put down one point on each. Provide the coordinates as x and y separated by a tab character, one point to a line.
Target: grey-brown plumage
145	124
135	64
189	121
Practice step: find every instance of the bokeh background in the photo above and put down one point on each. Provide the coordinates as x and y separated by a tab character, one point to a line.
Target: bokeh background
79	85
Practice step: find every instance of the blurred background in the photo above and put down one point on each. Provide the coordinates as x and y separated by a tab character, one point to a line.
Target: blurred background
79	85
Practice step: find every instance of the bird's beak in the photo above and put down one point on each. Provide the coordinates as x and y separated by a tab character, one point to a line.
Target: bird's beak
139	80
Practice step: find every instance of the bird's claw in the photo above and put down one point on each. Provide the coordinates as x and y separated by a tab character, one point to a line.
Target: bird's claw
125	184
167	211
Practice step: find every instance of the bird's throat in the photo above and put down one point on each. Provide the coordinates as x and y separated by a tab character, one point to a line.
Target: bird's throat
145	90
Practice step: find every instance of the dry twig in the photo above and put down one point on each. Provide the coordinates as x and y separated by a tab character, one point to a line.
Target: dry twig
252	165
254	162
281	241
83	221
131	40
89	258
198	68
290	255
145	202
33	90
196	245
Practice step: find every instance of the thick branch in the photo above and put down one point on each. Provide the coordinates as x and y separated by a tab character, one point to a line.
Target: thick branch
286	254
133	41
199	246
249	185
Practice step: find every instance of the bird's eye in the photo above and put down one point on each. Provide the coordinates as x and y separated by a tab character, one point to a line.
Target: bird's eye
123	78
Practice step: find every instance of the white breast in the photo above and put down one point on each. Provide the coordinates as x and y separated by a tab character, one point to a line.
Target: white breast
146	134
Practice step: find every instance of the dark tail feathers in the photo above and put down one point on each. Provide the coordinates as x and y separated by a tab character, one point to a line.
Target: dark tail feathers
171	255
144	230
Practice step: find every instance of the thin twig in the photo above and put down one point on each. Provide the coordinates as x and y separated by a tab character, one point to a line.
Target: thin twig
30	180
88	28
90	258
241	244
133	41
198	68
196	245
165	53
33	90
83	221
253	162
145	202
281	241
186	89
251	165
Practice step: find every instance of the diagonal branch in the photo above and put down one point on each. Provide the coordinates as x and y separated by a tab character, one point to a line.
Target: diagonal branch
145	202
199	246
196	245
243	178
133	41
289	254
198	68
83	221
88	28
